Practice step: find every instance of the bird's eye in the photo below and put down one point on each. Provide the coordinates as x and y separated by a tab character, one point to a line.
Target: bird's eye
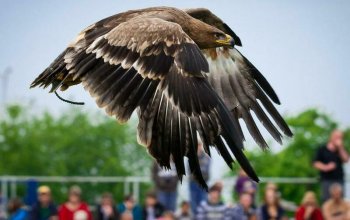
220	36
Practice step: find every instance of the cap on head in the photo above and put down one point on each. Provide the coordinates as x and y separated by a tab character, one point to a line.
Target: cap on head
44	190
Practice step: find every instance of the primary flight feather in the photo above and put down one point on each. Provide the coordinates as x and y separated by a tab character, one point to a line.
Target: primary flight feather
180	71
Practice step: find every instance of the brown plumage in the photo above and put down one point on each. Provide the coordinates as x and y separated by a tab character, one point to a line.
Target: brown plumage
180	71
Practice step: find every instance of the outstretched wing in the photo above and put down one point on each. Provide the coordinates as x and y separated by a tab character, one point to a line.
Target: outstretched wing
152	65
241	85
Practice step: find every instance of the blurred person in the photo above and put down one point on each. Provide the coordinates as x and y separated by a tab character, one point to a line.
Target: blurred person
167	215
74	208
16	210
243	210
166	185
106	210
129	205
2	207
126	216
309	210
244	184
271	186
44	209
213	208
271	208
220	186
184	213
336	208
329	161
197	193
153	209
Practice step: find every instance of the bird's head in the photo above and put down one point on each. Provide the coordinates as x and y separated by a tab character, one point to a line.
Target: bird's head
222	39
207	36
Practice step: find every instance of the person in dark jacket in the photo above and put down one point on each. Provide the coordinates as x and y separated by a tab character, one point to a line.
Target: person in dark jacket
152	209
129	205
197	193
44	209
271	208
106	210
329	161
166	185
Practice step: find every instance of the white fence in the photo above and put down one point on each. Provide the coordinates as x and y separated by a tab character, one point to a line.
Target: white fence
131	184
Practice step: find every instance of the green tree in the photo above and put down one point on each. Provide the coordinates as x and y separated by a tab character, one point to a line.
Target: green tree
72	144
311	129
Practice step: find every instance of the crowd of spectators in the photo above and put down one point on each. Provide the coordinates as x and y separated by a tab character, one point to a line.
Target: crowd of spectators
212	208
161	203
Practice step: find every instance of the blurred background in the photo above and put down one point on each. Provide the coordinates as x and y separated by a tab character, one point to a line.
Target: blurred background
301	47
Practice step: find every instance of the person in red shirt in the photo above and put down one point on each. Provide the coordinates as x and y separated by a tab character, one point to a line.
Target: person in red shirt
309	209
74	208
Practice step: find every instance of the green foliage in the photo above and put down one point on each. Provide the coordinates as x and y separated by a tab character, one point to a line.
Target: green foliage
76	143
72	144
311	129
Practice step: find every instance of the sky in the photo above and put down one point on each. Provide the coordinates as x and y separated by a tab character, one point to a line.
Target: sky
302	47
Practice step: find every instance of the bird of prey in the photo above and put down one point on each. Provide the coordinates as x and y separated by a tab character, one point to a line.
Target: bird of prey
180	71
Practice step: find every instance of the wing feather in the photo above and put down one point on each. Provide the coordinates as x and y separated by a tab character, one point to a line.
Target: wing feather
235	80
241	85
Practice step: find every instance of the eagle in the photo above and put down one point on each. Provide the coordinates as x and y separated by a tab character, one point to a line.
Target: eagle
181	72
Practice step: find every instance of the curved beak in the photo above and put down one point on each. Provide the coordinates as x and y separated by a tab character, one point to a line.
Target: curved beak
228	41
